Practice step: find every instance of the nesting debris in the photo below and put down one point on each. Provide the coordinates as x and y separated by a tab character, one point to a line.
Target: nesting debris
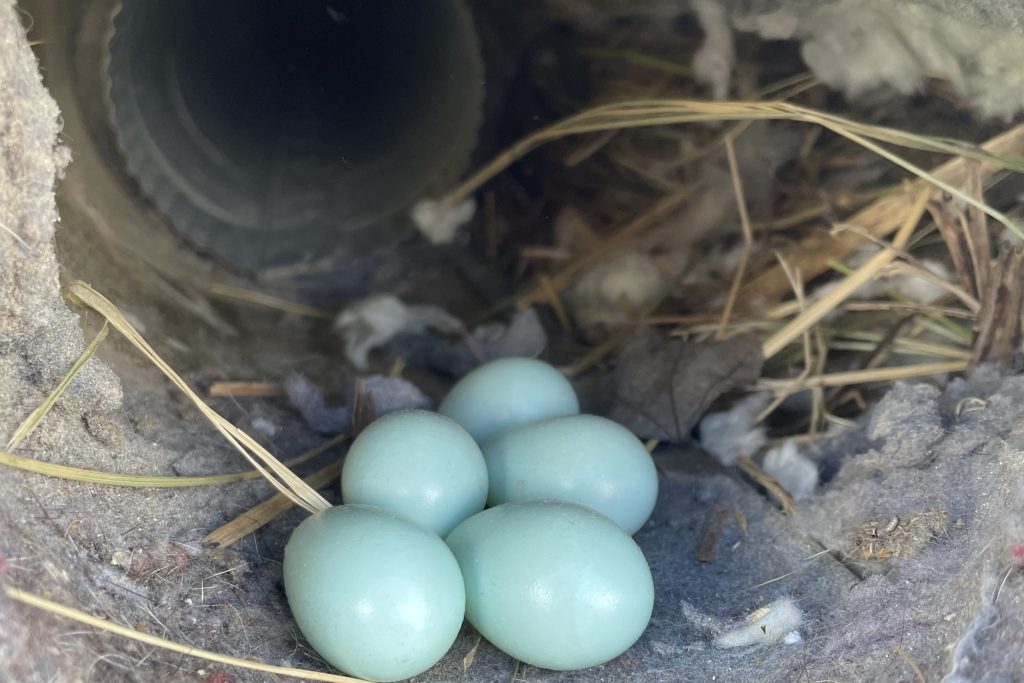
887	538
765	626
714	60
389	394
860	46
663	385
376	320
615	291
711	532
733	434
521	337
440	223
795	471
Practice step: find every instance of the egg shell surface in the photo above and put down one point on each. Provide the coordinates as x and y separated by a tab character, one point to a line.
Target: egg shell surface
553	584
582	459
509	392
419	464
376	595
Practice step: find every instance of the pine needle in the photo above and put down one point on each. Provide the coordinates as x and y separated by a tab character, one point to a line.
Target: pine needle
36	416
66	612
283	479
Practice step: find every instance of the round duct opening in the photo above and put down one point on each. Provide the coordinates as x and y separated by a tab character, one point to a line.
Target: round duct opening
273	133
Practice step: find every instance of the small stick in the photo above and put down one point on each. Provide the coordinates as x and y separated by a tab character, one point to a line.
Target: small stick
707	548
243	389
754	471
912	663
267	511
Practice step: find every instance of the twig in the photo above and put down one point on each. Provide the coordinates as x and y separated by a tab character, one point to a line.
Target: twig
754	471
912	663
243	389
551	295
267	511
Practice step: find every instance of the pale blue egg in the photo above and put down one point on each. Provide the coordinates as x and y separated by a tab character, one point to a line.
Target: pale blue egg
553	584
581	459
419	464
376	595
509	392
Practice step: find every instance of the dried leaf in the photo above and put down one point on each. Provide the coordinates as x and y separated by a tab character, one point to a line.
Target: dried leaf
663	386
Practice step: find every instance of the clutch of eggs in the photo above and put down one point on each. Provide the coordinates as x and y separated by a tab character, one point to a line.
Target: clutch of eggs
549	574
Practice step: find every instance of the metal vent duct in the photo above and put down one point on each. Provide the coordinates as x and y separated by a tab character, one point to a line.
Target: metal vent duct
268	132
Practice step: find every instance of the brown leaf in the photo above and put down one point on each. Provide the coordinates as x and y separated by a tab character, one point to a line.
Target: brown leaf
663	385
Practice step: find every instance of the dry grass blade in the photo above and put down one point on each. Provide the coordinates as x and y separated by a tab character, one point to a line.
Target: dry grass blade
267	511
999	321
268	301
912	306
551	295
748	237
822	307
66	612
283	479
817	251
143	481
841	379
655	112
903	345
37	415
913	665
798	290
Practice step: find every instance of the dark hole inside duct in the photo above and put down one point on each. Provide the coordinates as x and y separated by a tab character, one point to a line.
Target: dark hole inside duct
271	133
